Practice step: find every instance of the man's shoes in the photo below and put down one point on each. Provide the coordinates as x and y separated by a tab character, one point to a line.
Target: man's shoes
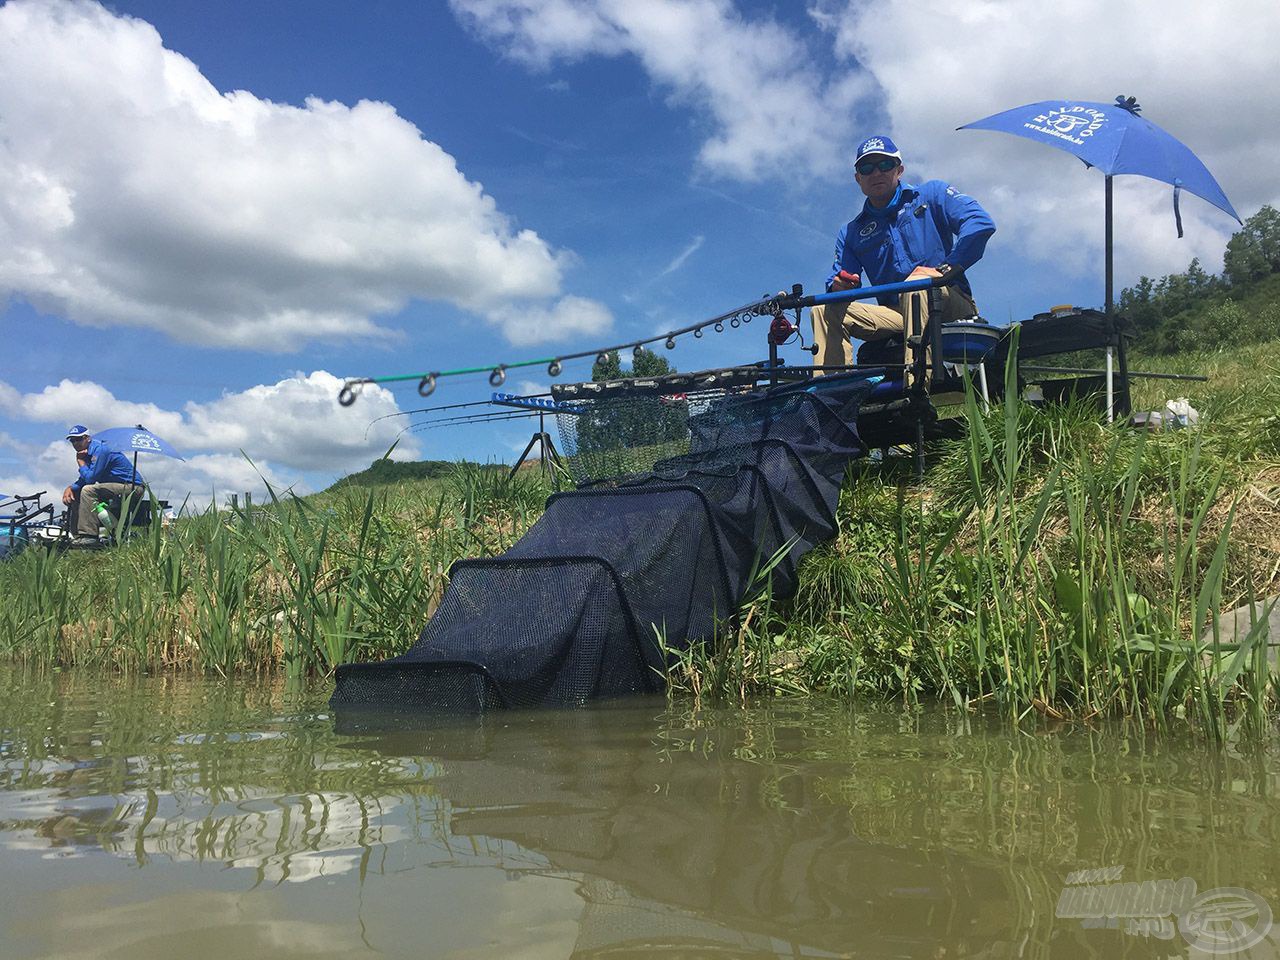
86	543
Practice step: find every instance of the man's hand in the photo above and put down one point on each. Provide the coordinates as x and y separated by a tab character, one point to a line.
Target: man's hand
920	272
844	280
68	495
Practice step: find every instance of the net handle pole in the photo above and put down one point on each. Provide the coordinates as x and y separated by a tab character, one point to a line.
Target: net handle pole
866	293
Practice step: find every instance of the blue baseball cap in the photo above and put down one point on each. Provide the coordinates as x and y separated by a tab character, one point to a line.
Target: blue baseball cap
79	430
879	146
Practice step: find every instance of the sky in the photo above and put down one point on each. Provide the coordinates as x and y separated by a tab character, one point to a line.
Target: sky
213	213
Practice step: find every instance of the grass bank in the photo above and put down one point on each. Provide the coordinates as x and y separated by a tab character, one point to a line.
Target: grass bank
298	585
1050	563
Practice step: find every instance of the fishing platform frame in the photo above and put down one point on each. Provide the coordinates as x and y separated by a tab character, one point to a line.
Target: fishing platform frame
903	407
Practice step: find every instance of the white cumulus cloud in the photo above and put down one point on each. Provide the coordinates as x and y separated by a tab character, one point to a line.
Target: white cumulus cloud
1198	71
133	192
290	429
790	104
776	106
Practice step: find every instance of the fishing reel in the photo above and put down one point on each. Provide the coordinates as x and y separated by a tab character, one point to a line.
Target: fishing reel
783	328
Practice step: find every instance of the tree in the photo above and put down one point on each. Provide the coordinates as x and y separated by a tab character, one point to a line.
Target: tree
1254	252
644	363
1188	309
607	367
1137	307
647	363
625	433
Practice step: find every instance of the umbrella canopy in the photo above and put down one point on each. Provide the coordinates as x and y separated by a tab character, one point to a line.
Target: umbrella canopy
1113	138
137	440
1116	140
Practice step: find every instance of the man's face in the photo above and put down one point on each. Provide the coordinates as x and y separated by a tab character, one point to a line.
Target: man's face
79	443
879	185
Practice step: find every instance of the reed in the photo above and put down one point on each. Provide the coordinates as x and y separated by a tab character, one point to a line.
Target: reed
1050	564
296	585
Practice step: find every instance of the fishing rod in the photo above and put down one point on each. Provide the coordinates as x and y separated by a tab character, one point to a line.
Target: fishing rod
797	299
766	306
472	418
446	406
555	365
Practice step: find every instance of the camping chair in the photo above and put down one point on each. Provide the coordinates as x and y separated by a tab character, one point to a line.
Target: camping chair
903	408
138	515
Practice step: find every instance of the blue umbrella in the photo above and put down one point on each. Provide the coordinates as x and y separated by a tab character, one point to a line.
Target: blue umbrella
1116	140
136	440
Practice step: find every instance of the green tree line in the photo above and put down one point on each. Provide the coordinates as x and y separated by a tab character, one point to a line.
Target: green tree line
1198	310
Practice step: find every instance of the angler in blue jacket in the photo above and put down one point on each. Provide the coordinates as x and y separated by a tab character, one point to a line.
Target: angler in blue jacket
104	473
904	232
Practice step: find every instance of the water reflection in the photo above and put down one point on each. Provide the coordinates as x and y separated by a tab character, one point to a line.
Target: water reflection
683	845
786	831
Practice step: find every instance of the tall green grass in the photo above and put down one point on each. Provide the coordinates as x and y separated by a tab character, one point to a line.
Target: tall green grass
1049	563
295	585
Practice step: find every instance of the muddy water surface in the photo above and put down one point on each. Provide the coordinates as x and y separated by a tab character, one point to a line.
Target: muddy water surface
190	818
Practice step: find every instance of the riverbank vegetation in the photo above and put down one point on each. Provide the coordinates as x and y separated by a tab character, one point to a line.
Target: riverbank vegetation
1049	564
1196	310
295	584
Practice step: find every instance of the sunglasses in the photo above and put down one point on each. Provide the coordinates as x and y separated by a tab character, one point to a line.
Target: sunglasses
884	166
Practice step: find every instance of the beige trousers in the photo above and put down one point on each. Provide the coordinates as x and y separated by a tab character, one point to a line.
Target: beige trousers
836	325
91	494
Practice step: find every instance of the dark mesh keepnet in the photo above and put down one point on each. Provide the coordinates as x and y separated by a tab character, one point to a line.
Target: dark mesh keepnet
668	545
624	433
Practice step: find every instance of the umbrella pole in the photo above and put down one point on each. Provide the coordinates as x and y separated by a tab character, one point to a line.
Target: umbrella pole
1110	307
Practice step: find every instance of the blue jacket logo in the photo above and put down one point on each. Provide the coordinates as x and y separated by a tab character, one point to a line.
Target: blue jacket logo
868	230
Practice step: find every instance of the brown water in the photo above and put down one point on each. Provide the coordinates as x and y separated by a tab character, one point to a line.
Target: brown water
180	818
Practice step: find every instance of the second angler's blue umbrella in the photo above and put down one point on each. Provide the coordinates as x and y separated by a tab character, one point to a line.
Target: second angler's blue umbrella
1116	140
136	440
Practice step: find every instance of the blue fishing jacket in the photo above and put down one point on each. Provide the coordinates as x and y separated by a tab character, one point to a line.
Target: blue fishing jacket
106	466
928	225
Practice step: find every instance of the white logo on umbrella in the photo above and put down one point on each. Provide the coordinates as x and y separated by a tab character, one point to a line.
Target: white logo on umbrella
1068	122
1065	123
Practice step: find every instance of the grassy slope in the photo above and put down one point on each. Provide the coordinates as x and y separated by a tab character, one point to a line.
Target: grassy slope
1049	563
384	472
299	585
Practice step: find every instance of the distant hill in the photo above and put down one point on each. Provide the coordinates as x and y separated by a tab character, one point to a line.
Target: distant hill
384	471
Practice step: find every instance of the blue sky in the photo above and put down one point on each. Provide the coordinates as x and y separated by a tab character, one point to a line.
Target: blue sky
210	212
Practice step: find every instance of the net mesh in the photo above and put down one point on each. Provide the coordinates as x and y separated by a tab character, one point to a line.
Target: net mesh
684	501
